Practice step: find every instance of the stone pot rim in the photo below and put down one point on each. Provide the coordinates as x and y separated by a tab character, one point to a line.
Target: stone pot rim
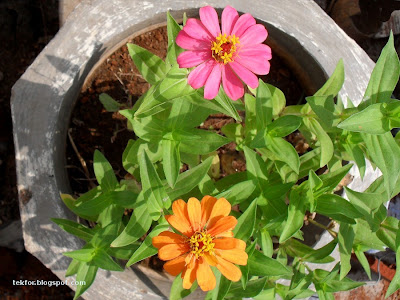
43	98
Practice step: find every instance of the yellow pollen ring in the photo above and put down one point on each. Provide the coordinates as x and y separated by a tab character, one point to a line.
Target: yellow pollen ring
201	242
224	47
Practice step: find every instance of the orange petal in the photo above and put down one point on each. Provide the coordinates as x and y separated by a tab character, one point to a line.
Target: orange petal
227	234
210	258
175	266
205	276
222	225
179	225
229	243
167	237
228	269
222	208
235	256
189	274
179	207
171	251
207	204
194	212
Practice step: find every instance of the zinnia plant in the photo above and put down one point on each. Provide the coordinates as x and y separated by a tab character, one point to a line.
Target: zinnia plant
207	241
248	232
235	53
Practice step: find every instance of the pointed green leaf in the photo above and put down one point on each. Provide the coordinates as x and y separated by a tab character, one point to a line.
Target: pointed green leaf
334	83
74	228
86	273
153	190
346	239
261	265
263	105
171	161
149	65
177	290
245	225
296	211
104	173
102	260
137	226
173	29
109	103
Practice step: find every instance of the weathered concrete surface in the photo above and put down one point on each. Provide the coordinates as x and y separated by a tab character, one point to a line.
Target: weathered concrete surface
42	101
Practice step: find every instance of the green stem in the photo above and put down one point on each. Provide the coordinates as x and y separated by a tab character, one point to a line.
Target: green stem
334	234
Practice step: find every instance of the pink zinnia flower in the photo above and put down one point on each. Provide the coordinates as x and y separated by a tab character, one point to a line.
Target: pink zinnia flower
234	54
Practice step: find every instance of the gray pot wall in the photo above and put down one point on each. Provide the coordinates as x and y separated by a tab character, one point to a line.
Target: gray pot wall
43	98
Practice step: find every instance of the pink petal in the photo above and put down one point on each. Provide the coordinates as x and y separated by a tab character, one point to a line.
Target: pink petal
209	18
187	42
245	75
233	87
244	22
190	59
198	77
228	19
255	34
196	29
213	82
255	58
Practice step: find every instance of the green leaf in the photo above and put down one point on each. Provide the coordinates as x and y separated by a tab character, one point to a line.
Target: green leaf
223	100
222	287
372	120
336	207
284	126
130	157
102	260
94	206
384	77
267	247
324	108
189	180
73	268
363	261
153	190
177	290
146	248
332	179
86	273
245	269
365	237
74	228
210	141
346	239
104	236
159	97
284	151
387	232
104	173
251	119
239	192
261	265
171	161
246	222
123	252
137	226
149	129
323	138
296	249
395	283
357	155
263	105
334	83
173	29
296	211
366	203
321	253
109	103
278	100
149	65
234	132
385	153
83	255
254	287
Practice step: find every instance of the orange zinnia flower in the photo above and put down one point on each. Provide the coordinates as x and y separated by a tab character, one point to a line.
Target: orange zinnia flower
207	240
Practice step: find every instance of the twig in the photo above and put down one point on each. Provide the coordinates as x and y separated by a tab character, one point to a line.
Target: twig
81	160
331	232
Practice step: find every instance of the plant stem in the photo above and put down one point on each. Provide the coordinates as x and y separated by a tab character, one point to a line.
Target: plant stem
331	232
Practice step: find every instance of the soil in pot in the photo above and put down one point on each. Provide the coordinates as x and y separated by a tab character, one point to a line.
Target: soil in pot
92	127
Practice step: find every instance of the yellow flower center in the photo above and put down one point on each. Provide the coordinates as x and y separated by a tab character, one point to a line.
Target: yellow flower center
224	47
201	242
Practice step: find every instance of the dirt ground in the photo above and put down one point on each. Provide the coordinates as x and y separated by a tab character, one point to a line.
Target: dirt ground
26	26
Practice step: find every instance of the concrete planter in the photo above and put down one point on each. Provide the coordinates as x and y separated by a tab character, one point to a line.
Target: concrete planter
43	99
